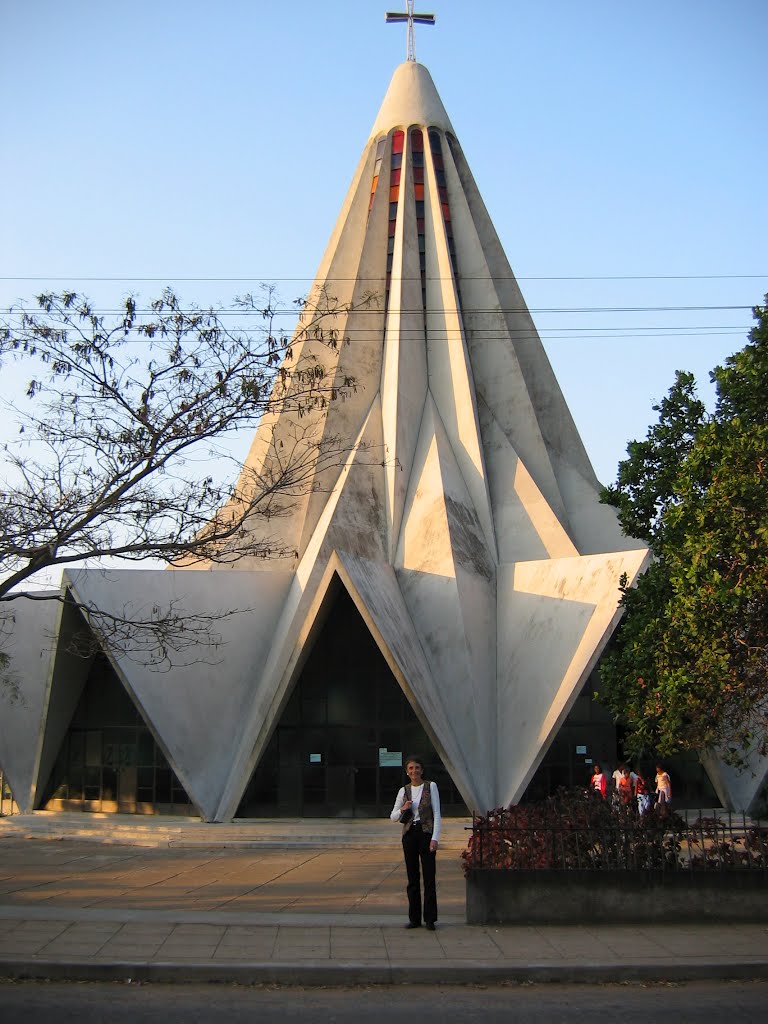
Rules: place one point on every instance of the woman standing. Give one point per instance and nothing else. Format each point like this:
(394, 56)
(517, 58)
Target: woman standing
(421, 834)
(598, 780)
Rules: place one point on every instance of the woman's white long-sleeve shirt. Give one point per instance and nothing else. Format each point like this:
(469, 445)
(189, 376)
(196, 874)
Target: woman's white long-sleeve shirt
(416, 792)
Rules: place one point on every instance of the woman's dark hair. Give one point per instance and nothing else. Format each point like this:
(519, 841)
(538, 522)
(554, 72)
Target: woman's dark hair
(415, 759)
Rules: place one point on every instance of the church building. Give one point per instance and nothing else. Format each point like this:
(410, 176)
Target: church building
(448, 585)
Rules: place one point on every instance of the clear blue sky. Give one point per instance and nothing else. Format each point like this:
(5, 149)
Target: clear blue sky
(185, 139)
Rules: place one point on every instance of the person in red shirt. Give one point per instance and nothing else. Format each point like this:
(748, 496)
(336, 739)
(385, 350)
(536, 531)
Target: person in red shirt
(642, 796)
(598, 780)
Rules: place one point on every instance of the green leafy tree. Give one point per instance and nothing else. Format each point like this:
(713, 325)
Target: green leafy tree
(689, 666)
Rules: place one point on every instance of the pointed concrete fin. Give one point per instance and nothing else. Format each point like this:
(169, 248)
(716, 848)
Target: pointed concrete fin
(440, 527)
(594, 526)
(411, 99)
(453, 620)
(29, 639)
(533, 373)
(575, 600)
(492, 343)
(359, 521)
(195, 708)
(743, 790)
(68, 680)
(374, 588)
(354, 512)
(404, 379)
(451, 381)
(350, 422)
(349, 284)
(353, 516)
(447, 579)
(306, 593)
(526, 526)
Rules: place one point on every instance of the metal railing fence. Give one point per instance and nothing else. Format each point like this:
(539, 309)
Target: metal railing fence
(627, 842)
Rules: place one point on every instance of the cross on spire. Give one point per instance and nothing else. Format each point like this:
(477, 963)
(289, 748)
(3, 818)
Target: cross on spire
(411, 18)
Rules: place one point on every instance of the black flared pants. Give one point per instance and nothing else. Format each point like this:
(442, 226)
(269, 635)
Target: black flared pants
(418, 855)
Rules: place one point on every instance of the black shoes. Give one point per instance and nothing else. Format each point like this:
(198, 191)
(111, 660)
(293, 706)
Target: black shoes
(415, 924)
(430, 926)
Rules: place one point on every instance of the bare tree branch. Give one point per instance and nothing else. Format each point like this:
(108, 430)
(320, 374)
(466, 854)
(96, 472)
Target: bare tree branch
(122, 411)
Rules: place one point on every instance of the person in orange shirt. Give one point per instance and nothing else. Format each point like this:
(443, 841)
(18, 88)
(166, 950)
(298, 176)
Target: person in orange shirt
(625, 788)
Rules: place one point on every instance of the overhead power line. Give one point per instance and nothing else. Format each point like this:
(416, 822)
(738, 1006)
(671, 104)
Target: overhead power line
(379, 310)
(259, 278)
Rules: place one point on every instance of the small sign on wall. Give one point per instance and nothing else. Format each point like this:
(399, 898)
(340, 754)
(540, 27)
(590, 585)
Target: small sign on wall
(390, 758)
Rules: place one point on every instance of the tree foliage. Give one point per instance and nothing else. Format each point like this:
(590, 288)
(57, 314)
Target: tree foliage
(689, 665)
(120, 449)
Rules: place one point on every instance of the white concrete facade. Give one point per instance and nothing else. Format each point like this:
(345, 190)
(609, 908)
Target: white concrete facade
(465, 524)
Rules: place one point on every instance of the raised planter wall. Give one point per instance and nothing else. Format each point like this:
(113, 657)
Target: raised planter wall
(573, 897)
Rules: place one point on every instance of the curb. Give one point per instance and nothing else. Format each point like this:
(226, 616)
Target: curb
(314, 974)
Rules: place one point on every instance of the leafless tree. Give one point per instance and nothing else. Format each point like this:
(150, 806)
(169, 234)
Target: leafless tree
(125, 412)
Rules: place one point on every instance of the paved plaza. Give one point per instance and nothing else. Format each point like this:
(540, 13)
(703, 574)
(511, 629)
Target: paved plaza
(74, 908)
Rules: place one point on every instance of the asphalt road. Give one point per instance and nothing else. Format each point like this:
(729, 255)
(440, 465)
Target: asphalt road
(55, 1002)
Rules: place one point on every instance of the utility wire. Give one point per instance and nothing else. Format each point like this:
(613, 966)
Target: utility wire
(380, 311)
(259, 278)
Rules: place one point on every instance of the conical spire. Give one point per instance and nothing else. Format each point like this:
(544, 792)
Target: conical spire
(411, 99)
(481, 467)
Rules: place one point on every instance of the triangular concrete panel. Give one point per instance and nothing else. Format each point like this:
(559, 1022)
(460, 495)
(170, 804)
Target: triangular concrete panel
(374, 588)
(359, 520)
(526, 526)
(492, 343)
(31, 637)
(594, 526)
(530, 376)
(404, 378)
(446, 576)
(575, 600)
(194, 707)
(740, 789)
(451, 382)
(75, 651)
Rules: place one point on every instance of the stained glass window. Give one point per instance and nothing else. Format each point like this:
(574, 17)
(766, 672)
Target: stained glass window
(376, 169)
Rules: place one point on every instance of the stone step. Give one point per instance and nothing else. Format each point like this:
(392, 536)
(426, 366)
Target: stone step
(159, 831)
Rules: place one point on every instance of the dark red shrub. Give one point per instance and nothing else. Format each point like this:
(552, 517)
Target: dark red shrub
(573, 830)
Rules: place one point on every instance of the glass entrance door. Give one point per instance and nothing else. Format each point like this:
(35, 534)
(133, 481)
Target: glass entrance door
(338, 748)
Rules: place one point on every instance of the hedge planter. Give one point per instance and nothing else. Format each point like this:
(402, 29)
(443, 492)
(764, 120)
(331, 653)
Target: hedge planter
(575, 897)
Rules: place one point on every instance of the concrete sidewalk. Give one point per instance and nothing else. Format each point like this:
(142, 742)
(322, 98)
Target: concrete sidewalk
(85, 910)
